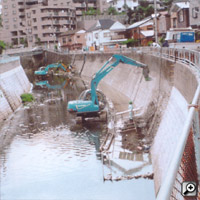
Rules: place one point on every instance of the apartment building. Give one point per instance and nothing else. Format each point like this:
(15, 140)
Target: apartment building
(36, 21)
(195, 14)
(82, 6)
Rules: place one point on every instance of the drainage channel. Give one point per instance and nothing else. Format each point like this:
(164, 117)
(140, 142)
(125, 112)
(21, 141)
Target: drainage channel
(53, 157)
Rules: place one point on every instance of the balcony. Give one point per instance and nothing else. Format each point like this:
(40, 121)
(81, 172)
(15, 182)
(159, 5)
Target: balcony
(79, 12)
(31, 2)
(117, 37)
(80, 5)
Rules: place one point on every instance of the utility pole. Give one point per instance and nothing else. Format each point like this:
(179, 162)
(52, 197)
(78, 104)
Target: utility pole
(156, 26)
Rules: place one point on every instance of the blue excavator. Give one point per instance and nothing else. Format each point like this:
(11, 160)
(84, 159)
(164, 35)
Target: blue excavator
(91, 102)
(53, 87)
(44, 70)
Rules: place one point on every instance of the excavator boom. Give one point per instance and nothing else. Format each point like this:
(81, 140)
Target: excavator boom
(44, 70)
(83, 106)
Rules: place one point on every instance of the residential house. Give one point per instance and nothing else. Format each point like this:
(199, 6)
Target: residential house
(142, 31)
(164, 22)
(195, 14)
(105, 33)
(120, 5)
(72, 40)
(180, 14)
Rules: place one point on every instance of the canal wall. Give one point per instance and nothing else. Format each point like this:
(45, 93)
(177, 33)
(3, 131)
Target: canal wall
(13, 83)
(171, 89)
(163, 100)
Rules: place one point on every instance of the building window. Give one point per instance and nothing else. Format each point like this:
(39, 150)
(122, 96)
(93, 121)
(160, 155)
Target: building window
(28, 15)
(5, 6)
(180, 16)
(30, 38)
(33, 11)
(15, 26)
(78, 36)
(13, 5)
(15, 19)
(195, 12)
(29, 22)
(14, 12)
(64, 40)
(96, 35)
(174, 22)
(106, 35)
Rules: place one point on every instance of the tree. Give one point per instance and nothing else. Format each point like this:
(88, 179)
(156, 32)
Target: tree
(24, 42)
(130, 42)
(130, 14)
(91, 11)
(167, 3)
(38, 41)
(112, 11)
(2, 46)
(142, 11)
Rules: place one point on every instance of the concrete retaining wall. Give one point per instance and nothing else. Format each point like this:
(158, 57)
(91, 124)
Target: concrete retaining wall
(172, 87)
(126, 82)
(13, 83)
(173, 82)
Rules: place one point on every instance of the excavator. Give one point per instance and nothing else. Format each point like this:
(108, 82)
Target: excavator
(44, 70)
(92, 101)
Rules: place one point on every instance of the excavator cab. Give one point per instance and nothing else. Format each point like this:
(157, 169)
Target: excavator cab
(84, 103)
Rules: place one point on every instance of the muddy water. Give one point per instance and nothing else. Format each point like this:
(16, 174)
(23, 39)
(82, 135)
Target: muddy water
(52, 157)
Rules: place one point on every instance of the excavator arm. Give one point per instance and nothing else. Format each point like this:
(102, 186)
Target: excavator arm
(44, 71)
(105, 70)
(89, 107)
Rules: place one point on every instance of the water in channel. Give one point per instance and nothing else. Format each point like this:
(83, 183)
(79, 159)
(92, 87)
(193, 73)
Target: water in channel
(53, 158)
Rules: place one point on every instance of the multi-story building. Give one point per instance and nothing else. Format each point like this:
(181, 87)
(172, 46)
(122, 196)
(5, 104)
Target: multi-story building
(82, 6)
(36, 21)
(179, 12)
(120, 5)
(195, 14)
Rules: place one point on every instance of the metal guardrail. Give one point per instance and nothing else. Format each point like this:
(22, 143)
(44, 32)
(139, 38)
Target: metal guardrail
(180, 168)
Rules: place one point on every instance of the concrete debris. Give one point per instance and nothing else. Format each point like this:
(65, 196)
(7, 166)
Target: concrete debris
(120, 178)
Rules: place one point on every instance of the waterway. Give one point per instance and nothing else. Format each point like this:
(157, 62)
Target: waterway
(53, 158)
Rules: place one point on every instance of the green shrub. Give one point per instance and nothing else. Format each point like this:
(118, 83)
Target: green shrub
(26, 97)
(149, 43)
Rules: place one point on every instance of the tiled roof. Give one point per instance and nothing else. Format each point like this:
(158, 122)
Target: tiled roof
(102, 24)
(137, 24)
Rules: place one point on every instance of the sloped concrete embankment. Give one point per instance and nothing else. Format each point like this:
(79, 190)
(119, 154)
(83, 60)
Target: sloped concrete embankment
(13, 83)
(163, 100)
(171, 89)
